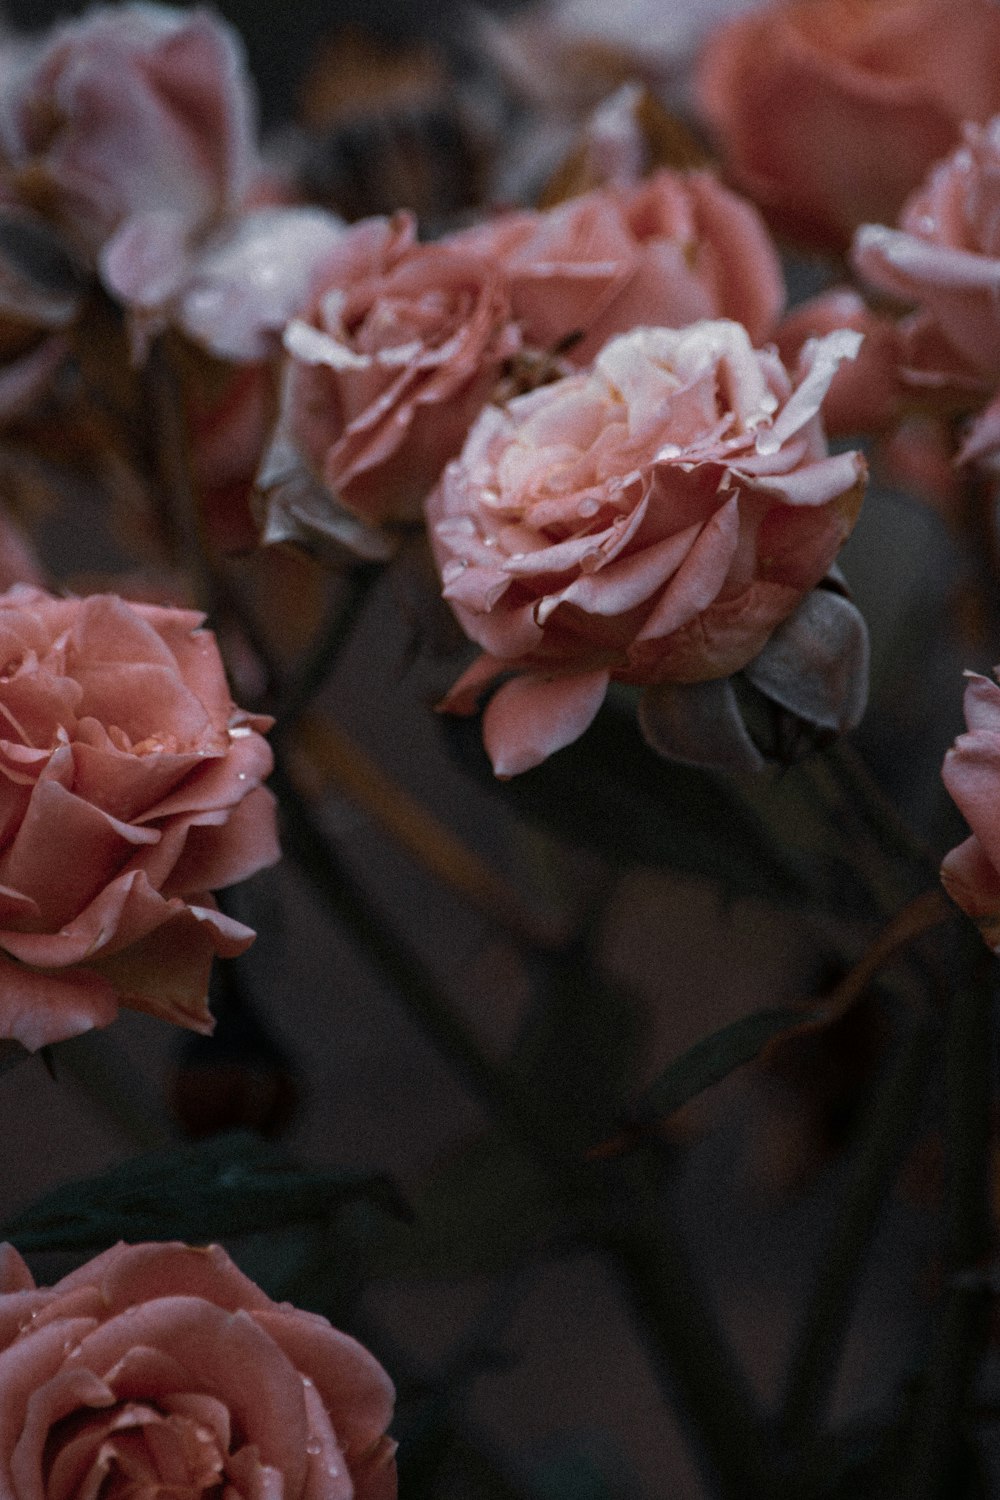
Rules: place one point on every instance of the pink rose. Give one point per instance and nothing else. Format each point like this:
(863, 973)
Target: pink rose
(945, 257)
(650, 521)
(160, 1370)
(971, 873)
(402, 346)
(829, 112)
(130, 787)
(136, 115)
(866, 394)
(668, 251)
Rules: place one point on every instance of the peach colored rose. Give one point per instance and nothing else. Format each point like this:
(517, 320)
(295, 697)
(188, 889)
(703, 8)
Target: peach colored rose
(971, 873)
(668, 251)
(130, 787)
(866, 393)
(650, 521)
(401, 348)
(829, 112)
(945, 258)
(160, 1370)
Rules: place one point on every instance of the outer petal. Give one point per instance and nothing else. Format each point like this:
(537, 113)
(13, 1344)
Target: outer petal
(530, 717)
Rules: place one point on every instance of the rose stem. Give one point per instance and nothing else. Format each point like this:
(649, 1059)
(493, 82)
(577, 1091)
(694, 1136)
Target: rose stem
(883, 1137)
(171, 463)
(962, 1325)
(397, 961)
(657, 1275)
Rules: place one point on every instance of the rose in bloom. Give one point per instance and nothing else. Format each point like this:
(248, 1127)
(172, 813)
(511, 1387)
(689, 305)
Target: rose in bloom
(669, 251)
(650, 521)
(130, 787)
(829, 112)
(945, 258)
(160, 1370)
(402, 346)
(971, 873)
(130, 133)
(133, 119)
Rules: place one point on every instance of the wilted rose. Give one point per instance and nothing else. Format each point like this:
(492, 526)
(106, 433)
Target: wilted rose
(402, 346)
(829, 112)
(669, 251)
(130, 787)
(160, 1369)
(651, 521)
(971, 873)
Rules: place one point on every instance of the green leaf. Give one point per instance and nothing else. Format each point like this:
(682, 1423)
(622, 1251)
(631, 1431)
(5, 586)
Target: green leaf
(229, 1185)
(716, 1056)
(480, 1210)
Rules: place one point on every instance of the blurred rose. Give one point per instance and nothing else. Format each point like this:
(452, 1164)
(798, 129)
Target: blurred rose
(401, 348)
(130, 133)
(136, 116)
(229, 422)
(130, 788)
(160, 1370)
(829, 112)
(865, 395)
(971, 873)
(669, 251)
(650, 521)
(945, 257)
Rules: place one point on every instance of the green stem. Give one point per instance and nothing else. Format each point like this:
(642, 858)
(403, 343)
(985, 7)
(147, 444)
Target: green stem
(397, 961)
(691, 1354)
(888, 829)
(883, 1137)
(99, 1068)
(321, 655)
(938, 1414)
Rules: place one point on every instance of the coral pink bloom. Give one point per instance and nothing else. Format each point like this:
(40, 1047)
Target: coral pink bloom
(829, 112)
(402, 346)
(130, 787)
(971, 873)
(652, 520)
(159, 1370)
(669, 251)
(945, 258)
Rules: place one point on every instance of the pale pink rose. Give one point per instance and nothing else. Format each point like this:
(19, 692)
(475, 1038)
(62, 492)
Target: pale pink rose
(669, 251)
(130, 787)
(133, 114)
(130, 133)
(650, 521)
(829, 112)
(945, 258)
(402, 345)
(971, 873)
(160, 1369)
